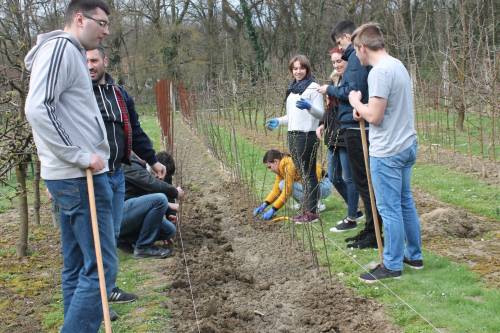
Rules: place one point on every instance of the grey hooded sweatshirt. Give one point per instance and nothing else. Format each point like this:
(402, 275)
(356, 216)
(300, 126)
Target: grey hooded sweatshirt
(61, 107)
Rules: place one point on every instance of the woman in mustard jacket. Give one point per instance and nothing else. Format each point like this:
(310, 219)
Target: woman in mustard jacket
(287, 183)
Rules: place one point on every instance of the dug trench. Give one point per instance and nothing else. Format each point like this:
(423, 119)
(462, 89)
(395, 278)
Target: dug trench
(245, 276)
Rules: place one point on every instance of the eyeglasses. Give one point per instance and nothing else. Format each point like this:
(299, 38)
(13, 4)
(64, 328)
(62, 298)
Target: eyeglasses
(102, 23)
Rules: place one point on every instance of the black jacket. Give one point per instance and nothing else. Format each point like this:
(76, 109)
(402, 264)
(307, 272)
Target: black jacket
(354, 78)
(334, 136)
(108, 96)
(138, 181)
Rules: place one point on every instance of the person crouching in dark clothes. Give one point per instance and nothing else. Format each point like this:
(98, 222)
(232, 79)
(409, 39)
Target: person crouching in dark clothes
(168, 161)
(145, 210)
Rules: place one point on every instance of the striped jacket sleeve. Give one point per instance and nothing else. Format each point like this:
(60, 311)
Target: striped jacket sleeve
(50, 77)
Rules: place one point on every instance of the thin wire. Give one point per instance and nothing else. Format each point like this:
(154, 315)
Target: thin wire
(184, 251)
(382, 283)
(187, 269)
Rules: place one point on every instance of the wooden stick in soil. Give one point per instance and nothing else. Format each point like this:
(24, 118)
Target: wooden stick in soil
(376, 223)
(98, 254)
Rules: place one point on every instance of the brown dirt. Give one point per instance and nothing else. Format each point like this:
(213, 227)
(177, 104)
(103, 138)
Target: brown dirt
(247, 277)
(459, 235)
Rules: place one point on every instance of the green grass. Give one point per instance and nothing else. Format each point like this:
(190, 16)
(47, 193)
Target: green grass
(439, 128)
(151, 126)
(447, 294)
(147, 314)
(458, 189)
(8, 192)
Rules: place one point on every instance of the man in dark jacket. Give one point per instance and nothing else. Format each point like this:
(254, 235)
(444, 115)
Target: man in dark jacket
(146, 206)
(354, 79)
(124, 133)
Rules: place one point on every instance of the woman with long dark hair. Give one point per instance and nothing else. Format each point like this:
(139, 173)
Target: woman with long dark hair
(339, 170)
(304, 110)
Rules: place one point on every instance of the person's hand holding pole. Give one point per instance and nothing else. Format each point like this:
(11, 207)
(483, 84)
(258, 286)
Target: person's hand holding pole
(180, 193)
(96, 163)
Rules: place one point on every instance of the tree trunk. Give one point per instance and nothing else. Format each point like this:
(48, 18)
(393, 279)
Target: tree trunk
(22, 196)
(36, 193)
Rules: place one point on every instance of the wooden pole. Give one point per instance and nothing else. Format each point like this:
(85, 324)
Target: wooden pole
(380, 246)
(97, 244)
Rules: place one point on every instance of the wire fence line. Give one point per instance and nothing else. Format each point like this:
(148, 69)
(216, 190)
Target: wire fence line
(221, 130)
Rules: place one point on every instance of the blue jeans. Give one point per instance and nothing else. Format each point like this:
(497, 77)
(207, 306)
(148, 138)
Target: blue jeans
(391, 181)
(117, 184)
(144, 220)
(339, 173)
(325, 189)
(80, 282)
(116, 180)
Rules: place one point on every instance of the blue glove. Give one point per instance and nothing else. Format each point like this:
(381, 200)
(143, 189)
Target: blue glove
(259, 209)
(303, 104)
(269, 214)
(272, 123)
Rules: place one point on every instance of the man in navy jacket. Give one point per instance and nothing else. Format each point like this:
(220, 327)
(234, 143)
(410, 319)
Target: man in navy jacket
(354, 79)
(124, 134)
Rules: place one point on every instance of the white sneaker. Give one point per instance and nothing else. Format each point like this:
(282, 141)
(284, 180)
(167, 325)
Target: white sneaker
(321, 206)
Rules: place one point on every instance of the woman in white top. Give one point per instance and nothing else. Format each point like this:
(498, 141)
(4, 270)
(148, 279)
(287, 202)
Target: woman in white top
(304, 110)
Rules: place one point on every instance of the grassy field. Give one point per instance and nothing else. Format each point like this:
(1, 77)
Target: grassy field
(447, 294)
(147, 314)
(439, 128)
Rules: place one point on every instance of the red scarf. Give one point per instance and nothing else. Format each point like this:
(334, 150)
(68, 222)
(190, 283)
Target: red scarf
(127, 129)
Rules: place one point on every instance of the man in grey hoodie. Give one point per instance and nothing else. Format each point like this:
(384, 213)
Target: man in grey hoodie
(70, 137)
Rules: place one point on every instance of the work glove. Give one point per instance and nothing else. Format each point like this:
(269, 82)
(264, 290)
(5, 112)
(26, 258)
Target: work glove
(272, 124)
(303, 104)
(269, 214)
(259, 209)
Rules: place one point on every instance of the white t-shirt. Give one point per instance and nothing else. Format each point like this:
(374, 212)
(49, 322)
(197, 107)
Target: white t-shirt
(304, 120)
(390, 80)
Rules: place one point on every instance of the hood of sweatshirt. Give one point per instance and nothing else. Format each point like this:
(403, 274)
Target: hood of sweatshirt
(42, 39)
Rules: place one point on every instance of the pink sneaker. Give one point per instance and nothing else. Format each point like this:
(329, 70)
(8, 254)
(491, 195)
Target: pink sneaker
(307, 217)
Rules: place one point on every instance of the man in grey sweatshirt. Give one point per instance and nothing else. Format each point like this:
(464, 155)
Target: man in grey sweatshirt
(70, 137)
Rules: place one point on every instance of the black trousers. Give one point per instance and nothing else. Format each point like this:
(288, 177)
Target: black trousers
(303, 147)
(354, 148)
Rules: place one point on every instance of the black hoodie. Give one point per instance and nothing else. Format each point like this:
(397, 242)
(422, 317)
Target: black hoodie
(108, 96)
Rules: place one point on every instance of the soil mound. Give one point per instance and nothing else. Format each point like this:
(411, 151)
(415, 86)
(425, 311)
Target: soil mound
(450, 222)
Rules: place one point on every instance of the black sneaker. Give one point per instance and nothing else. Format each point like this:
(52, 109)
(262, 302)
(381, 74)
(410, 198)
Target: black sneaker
(346, 225)
(359, 217)
(362, 234)
(119, 296)
(112, 315)
(152, 252)
(379, 273)
(125, 247)
(369, 242)
(415, 264)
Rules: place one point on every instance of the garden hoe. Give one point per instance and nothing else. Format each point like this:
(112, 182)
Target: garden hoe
(98, 254)
(370, 189)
